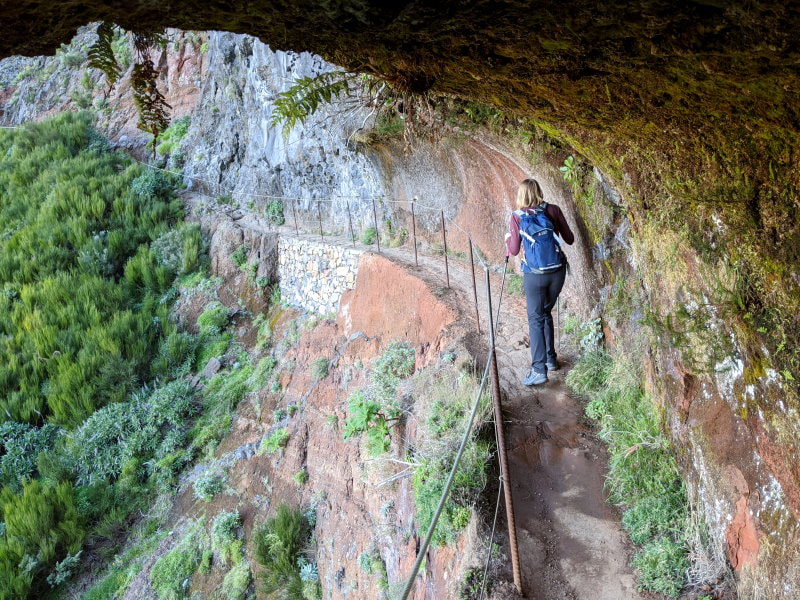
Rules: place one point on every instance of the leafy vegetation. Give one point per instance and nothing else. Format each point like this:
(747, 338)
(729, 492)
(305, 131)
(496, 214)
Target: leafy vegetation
(275, 441)
(172, 572)
(278, 546)
(303, 98)
(368, 236)
(445, 401)
(514, 285)
(274, 212)
(209, 484)
(643, 475)
(372, 563)
(372, 409)
(319, 368)
(90, 251)
(171, 138)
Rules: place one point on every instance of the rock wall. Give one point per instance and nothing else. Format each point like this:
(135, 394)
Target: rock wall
(313, 275)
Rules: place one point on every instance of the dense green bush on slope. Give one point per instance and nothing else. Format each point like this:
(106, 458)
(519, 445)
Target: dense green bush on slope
(90, 245)
(81, 288)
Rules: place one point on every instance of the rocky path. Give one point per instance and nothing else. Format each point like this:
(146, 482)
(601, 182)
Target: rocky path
(571, 543)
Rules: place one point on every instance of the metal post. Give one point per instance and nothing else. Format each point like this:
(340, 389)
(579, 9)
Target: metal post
(501, 447)
(350, 221)
(444, 240)
(319, 214)
(294, 212)
(377, 233)
(474, 285)
(414, 231)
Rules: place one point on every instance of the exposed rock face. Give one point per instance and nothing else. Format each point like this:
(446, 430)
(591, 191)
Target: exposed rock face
(35, 88)
(689, 112)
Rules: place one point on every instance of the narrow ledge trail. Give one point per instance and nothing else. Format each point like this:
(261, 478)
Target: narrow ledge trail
(571, 543)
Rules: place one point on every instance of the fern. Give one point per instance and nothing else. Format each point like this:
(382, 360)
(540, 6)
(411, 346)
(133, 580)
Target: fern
(304, 98)
(149, 101)
(101, 53)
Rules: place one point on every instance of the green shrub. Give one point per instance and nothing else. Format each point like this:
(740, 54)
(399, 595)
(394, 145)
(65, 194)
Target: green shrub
(209, 484)
(372, 563)
(239, 256)
(172, 573)
(141, 428)
(301, 477)
(236, 582)
(225, 535)
(366, 415)
(81, 287)
(369, 236)
(20, 446)
(277, 547)
(275, 441)
(179, 249)
(372, 409)
(319, 368)
(428, 483)
(213, 319)
(643, 476)
(176, 355)
(274, 210)
(662, 565)
(171, 138)
(395, 363)
(153, 185)
(42, 528)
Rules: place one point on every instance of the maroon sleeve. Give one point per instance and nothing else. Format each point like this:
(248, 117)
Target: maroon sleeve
(560, 223)
(513, 243)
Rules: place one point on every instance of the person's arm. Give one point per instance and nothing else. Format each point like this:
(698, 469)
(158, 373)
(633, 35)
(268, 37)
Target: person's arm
(513, 240)
(560, 224)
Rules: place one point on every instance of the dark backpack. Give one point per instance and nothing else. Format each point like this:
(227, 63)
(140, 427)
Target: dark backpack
(541, 252)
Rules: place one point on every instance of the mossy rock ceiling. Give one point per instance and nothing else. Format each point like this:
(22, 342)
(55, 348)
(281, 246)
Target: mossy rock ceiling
(691, 108)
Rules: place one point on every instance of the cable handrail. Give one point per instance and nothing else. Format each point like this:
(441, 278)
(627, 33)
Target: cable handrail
(474, 252)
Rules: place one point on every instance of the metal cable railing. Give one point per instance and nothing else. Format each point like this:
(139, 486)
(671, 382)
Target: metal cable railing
(411, 214)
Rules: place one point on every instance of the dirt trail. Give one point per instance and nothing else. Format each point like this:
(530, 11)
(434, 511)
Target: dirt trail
(571, 543)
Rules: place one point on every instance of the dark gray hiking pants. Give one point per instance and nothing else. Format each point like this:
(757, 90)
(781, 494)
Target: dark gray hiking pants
(541, 293)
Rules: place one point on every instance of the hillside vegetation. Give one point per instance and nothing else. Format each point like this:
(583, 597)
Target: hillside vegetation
(90, 247)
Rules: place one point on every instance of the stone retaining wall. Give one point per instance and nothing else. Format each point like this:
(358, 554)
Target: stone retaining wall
(313, 275)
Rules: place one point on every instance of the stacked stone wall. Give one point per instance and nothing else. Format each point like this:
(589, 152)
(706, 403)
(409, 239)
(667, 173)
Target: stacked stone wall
(313, 275)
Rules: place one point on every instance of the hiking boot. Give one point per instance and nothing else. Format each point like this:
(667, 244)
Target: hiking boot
(535, 378)
(552, 365)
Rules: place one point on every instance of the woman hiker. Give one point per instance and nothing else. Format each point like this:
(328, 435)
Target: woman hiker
(544, 267)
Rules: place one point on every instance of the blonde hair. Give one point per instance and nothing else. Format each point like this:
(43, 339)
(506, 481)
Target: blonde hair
(529, 194)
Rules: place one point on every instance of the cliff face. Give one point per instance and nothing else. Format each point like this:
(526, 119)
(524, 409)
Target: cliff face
(688, 232)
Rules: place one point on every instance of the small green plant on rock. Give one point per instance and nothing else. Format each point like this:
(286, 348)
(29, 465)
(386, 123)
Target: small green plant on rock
(275, 441)
(372, 409)
(372, 563)
(301, 477)
(319, 368)
(236, 582)
(278, 545)
(209, 484)
(274, 212)
(369, 236)
(239, 256)
(225, 536)
(366, 415)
